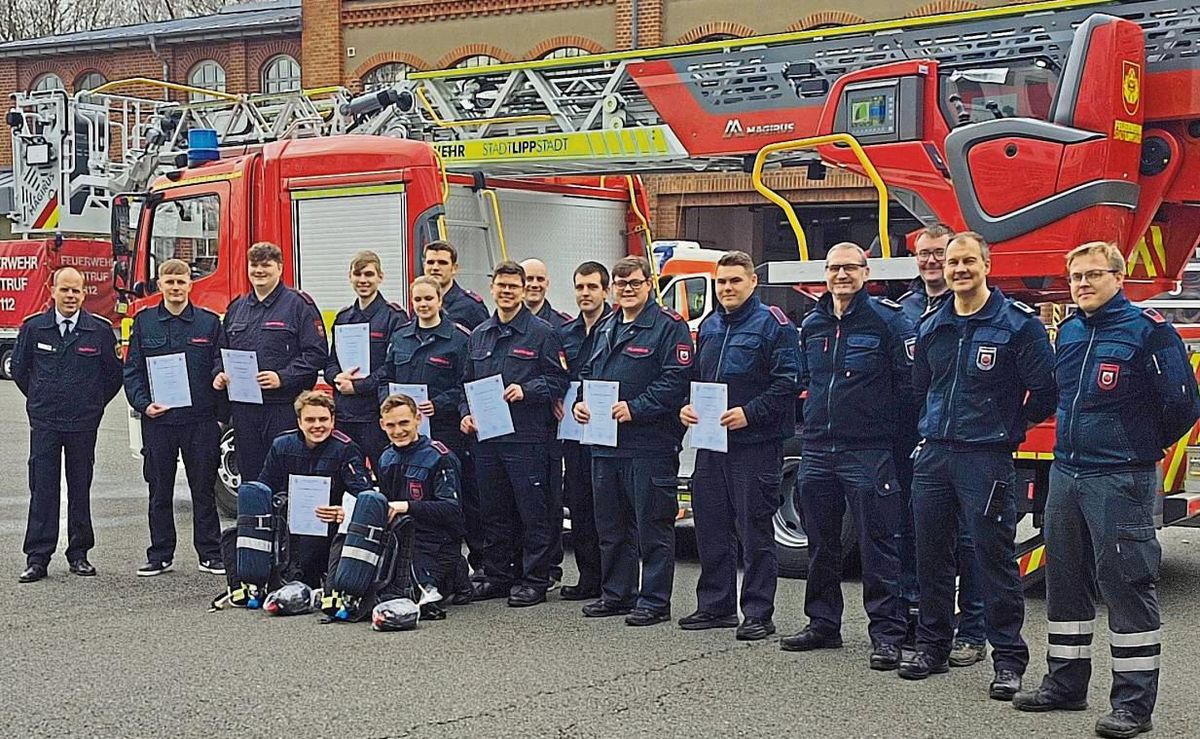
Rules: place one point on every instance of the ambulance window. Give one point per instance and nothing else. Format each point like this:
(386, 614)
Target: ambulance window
(187, 229)
(688, 297)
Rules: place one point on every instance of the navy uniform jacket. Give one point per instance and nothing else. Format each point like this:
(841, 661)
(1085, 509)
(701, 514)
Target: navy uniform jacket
(754, 351)
(288, 333)
(66, 381)
(651, 358)
(337, 458)
(985, 377)
(525, 351)
(578, 343)
(385, 319)
(555, 318)
(196, 333)
(426, 474)
(436, 358)
(916, 302)
(1125, 389)
(857, 370)
(464, 307)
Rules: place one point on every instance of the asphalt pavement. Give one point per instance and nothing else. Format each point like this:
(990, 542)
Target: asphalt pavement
(122, 656)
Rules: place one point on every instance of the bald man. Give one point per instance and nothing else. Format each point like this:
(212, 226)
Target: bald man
(537, 284)
(65, 363)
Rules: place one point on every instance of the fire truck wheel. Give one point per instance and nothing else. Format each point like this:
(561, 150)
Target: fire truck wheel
(228, 476)
(6, 364)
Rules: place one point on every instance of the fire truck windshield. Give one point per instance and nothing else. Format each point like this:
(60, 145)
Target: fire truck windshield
(1024, 89)
(187, 229)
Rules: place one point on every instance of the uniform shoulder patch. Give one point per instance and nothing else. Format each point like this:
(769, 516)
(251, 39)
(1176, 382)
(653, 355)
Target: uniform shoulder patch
(780, 316)
(1023, 308)
(340, 436)
(1153, 315)
(440, 447)
(103, 319)
(307, 298)
(905, 296)
(564, 316)
(31, 316)
(463, 328)
(210, 311)
(890, 304)
(397, 307)
(674, 316)
(473, 295)
(231, 303)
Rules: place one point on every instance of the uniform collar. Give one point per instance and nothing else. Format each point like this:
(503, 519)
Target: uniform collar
(186, 315)
(945, 314)
(1115, 306)
(445, 329)
(825, 303)
(454, 292)
(271, 297)
(422, 442)
(372, 308)
(742, 312)
(578, 321)
(645, 319)
(519, 323)
(60, 319)
(545, 311)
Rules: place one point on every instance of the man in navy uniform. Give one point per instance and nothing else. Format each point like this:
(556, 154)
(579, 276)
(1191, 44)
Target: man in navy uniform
(648, 350)
(65, 364)
(1125, 392)
(537, 284)
(928, 293)
(176, 326)
(355, 389)
(856, 365)
(578, 337)
(464, 307)
(512, 469)
(752, 349)
(285, 329)
(984, 367)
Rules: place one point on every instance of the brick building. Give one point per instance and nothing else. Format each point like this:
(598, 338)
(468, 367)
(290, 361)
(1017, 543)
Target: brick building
(364, 43)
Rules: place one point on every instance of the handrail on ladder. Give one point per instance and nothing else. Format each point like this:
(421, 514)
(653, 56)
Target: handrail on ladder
(165, 85)
(809, 143)
(490, 194)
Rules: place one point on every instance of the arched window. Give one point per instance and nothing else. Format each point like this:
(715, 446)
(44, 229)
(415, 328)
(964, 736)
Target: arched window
(565, 52)
(477, 60)
(281, 74)
(208, 75)
(48, 81)
(385, 75)
(89, 80)
(715, 37)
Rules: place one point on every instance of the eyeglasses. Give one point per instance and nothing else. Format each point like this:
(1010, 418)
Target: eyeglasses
(1090, 276)
(925, 256)
(509, 287)
(631, 284)
(850, 269)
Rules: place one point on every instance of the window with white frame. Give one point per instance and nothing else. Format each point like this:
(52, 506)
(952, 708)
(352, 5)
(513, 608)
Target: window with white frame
(207, 75)
(281, 74)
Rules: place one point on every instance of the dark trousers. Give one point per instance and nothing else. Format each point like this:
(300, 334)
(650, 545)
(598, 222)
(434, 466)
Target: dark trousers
(307, 560)
(516, 513)
(906, 548)
(735, 497)
(577, 489)
(370, 438)
(1100, 541)
(256, 426)
(554, 480)
(46, 452)
(162, 445)
(946, 482)
(972, 625)
(635, 519)
(865, 481)
(464, 449)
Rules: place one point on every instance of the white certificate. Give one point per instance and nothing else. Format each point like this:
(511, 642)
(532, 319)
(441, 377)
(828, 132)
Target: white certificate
(353, 344)
(348, 502)
(419, 393)
(242, 369)
(169, 384)
(600, 396)
(305, 494)
(485, 399)
(710, 400)
(568, 428)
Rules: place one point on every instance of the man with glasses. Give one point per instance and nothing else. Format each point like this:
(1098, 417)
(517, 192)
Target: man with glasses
(648, 350)
(512, 469)
(1125, 391)
(984, 367)
(928, 293)
(855, 362)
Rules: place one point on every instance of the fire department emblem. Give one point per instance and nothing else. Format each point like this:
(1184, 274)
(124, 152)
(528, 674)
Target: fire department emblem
(683, 353)
(910, 345)
(1131, 86)
(1107, 376)
(985, 358)
(416, 491)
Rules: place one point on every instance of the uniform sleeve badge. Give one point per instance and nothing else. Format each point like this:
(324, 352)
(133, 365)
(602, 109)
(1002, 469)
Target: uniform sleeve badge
(683, 353)
(319, 325)
(910, 347)
(416, 491)
(985, 358)
(562, 359)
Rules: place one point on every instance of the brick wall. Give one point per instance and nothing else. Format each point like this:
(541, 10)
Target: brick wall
(322, 48)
